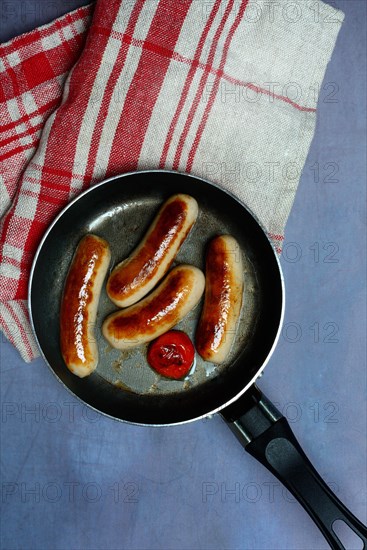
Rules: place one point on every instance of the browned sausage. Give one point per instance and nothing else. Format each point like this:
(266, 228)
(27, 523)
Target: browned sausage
(178, 294)
(133, 278)
(219, 319)
(79, 305)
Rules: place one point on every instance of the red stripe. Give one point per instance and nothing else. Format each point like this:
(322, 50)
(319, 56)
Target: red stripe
(205, 67)
(48, 189)
(213, 93)
(188, 82)
(56, 171)
(200, 89)
(21, 304)
(78, 35)
(5, 328)
(29, 193)
(14, 81)
(23, 41)
(45, 198)
(50, 184)
(260, 90)
(108, 92)
(43, 195)
(20, 328)
(34, 235)
(70, 21)
(140, 100)
(16, 137)
(40, 110)
(37, 69)
(19, 149)
(4, 224)
(24, 262)
(276, 237)
(11, 261)
(64, 43)
(28, 39)
(71, 113)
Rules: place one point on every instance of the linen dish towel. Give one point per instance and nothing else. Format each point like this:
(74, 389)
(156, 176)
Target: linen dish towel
(222, 89)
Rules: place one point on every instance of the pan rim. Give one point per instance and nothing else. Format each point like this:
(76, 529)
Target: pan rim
(258, 373)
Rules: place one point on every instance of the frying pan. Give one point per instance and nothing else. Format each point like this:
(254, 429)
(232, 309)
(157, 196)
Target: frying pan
(124, 387)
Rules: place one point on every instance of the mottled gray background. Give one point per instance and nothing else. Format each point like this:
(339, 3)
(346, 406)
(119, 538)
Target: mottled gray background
(72, 479)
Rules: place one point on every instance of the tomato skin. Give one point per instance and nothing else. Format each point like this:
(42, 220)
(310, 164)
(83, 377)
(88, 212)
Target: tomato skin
(172, 354)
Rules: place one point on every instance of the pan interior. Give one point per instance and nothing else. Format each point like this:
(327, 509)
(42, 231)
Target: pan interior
(129, 369)
(124, 386)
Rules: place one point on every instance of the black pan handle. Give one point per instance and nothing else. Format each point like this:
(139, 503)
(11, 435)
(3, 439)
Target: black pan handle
(267, 436)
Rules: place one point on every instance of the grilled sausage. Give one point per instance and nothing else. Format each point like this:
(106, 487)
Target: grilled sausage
(79, 305)
(134, 277)
(223, 299)
(175, 297)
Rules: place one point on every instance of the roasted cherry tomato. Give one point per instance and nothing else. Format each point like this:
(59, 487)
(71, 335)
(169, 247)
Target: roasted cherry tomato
(172, 354)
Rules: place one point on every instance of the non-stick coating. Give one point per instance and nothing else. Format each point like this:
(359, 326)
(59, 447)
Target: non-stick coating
(120, 210)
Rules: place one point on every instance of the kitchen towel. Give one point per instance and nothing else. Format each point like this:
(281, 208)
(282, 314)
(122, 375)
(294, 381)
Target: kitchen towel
(223, 89)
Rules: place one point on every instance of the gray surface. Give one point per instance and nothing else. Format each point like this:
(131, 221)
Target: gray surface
(105, 485)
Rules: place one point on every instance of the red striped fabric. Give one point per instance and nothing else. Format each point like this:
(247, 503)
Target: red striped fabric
(214, 91)
(200, 89)
(108, 92)
(152, 68)
(140, 85)
(190, 76)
